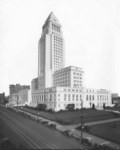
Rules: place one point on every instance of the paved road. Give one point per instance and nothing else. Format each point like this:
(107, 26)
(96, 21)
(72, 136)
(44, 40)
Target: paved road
(35, 136)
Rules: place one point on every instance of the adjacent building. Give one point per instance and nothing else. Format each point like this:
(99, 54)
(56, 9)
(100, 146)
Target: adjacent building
(115, 99)
(2, 98)
(57, 85)
(34, 84)
(19, 95)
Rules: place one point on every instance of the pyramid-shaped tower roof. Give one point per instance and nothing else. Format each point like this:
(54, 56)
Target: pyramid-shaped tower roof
(52, 18)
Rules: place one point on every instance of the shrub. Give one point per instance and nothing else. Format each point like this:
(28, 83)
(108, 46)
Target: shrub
(104, 106)
(87, 128)
(41, 107)
(93, 106)
(49, 110)
(77, 109)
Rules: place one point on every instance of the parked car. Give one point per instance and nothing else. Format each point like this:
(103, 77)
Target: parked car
(77, 138)
(68, 133)
(39, 120)
(52, 126)
(45, 123)
(33, 117)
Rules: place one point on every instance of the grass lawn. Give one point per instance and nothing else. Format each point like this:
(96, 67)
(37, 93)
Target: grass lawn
(74, 117)
(109, 131)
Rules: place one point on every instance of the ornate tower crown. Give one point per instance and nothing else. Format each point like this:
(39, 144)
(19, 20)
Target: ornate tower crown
(52, 18)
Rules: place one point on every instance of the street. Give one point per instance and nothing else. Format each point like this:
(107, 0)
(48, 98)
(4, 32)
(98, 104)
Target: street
(34, 135)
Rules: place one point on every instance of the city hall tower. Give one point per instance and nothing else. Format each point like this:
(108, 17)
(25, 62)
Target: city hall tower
(50, 52)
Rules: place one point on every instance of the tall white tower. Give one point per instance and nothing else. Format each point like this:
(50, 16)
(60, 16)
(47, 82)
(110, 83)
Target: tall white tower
(50, 51)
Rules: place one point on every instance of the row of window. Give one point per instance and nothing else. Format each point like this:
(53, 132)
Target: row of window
(99, 97)
(102, 97)
(58, 49)
(56, 33)
(77, 85)
(61, 75)
(77, 77)
(57, 58)
(92, 91)
(57, 38)
(62, 84)
(78, 81)
(57, 45)
(49, 97)
(61, 81)
(58, 63)
(75, 73)
(72, 90)
(61, 78)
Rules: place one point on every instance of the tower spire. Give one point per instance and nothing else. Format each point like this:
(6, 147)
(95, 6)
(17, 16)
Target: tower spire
(52, 18)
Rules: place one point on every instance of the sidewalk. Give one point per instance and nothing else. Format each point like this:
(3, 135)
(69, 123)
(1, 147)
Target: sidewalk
(92, 123)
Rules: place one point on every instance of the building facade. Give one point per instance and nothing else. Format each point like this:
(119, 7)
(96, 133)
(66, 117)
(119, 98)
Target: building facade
(19, 95)
(2, 98)
(115, 99)
(57, 98)
(34, 84)
(16, 88)
(68, 77)
(57, 85)
(50, 51)
(97, 98)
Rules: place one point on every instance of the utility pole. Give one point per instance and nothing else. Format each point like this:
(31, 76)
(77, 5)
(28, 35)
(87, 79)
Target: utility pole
(37, 110)
(81, 119)
(17, 99)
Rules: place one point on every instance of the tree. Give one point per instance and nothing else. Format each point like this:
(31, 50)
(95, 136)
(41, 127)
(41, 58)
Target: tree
(93, 106)
(103, 105)
(41, 107)
(70, 107)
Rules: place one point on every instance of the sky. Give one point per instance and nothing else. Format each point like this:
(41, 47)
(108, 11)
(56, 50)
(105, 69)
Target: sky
(91, 30)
